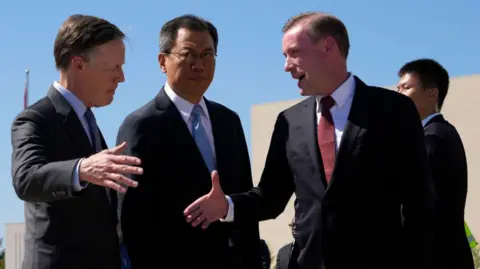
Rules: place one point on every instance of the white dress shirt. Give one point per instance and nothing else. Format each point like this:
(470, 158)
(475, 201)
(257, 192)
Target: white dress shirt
(343, 97)
(185, 108)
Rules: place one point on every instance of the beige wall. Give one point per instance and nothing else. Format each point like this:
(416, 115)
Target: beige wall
(14, 245)
(461, 108)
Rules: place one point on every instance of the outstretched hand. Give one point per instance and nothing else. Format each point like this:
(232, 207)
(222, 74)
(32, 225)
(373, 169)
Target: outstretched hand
(208, 208)
(109, 167)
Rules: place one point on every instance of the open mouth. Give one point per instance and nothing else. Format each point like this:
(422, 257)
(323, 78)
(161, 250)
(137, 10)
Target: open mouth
(300, 78)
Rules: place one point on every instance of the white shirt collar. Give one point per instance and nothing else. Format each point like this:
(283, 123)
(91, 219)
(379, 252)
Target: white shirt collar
(342, 93)
(429, 118)
(77, 105)
(184, 107)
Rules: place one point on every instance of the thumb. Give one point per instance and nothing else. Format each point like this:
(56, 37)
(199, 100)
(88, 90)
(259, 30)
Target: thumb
(119, 148)
(216, 182)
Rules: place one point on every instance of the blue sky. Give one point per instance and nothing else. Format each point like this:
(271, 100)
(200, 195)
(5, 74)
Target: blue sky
(383, 34)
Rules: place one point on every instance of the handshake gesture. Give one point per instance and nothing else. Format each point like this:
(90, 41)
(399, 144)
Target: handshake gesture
(208, 208)
(108, 168)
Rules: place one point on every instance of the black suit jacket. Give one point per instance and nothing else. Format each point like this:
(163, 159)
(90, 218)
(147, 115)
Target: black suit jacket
(356, 220)
(448, 166)
(64, 229)
(284, 256)
(154, 227)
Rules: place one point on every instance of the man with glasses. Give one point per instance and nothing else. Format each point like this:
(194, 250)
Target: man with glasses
(184, 141)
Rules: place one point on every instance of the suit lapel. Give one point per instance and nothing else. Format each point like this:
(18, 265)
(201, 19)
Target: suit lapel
(187, 146)
(357, 118)
(71, 122)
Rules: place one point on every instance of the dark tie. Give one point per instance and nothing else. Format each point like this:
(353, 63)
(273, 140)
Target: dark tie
(93, 130)
(326, 136)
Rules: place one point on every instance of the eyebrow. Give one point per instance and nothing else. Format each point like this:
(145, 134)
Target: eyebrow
(191, 49)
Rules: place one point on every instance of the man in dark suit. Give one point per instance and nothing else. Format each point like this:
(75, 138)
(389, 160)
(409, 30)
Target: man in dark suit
(185, 141)
(342, 151)
(60, 165)
(285, 253)
(426, 82)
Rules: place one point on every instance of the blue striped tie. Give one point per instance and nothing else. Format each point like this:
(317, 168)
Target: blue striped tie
(201, 139)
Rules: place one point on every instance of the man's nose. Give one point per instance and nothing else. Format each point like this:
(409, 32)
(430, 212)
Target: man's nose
(121, 76)
(198, 65)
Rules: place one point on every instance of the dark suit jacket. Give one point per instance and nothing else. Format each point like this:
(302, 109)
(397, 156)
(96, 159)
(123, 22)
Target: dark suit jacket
(284, 256)
(355, 221)
(175, 175)
(64, 229)
(448, 166)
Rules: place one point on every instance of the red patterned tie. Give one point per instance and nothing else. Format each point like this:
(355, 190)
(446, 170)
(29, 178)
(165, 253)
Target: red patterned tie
(326, 136)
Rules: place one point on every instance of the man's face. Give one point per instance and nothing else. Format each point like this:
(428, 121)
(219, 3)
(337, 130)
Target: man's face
(190, 65)
(424, 99)
(305, 60)
(101, 74)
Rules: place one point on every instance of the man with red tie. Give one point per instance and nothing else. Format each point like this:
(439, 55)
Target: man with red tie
(354, 156)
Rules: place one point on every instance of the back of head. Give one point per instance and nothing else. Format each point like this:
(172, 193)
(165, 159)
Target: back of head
(431, 74)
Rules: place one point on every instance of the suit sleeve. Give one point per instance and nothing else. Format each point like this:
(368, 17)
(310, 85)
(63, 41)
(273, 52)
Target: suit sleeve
(276, 186)
(416, 189)
(35, 177)
(135, 206)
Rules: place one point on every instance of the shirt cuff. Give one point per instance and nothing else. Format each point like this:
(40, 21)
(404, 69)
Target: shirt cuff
(77, 186)
(230, 213)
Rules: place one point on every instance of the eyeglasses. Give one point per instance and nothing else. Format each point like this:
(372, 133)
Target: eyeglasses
(190, 56)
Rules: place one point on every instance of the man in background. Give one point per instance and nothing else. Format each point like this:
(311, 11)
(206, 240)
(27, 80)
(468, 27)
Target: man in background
(60, 165)
(426, 82)
(185, 141)
(285, 253)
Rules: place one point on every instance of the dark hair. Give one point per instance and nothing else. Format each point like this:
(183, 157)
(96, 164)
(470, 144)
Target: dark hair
(169, 31)
(79, 35)
(321, 25)
(431, 75)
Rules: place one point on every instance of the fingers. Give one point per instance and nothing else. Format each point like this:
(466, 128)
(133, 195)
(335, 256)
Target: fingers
(194, 215)
(118, 148)
(113, 185)
(191, 208)
(198, 218)
(124, 159)
(121, 179)
(125, 169)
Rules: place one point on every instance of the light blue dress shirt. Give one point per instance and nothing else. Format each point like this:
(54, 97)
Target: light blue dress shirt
(80, 109)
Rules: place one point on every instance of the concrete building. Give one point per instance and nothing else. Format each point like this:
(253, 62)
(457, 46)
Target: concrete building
(461, 108)
(14, 245)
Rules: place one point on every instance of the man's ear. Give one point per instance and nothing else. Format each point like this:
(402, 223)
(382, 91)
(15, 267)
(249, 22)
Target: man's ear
(433, 93)
(162, 58)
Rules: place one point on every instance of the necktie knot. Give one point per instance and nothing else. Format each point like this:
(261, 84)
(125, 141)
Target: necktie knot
(196, 111)
(89, 115)
(327, 102)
